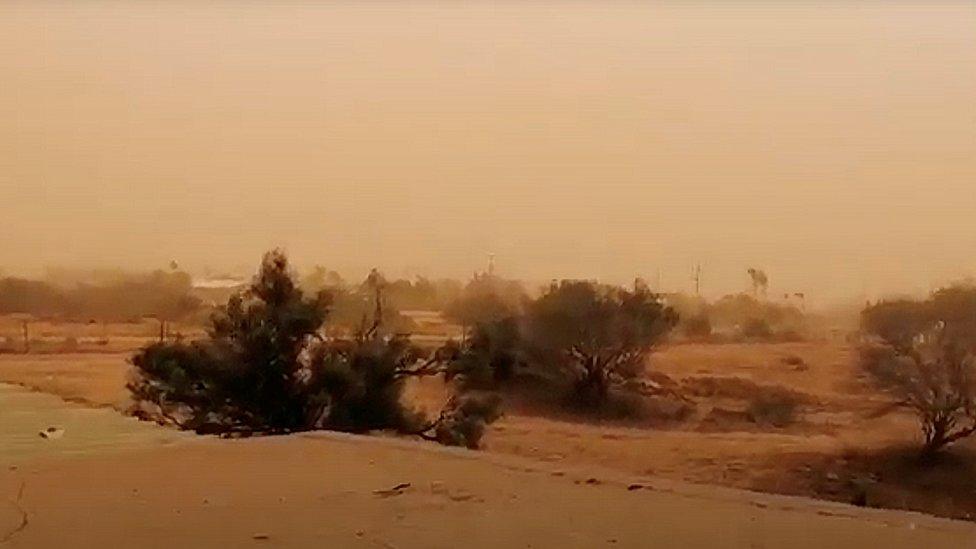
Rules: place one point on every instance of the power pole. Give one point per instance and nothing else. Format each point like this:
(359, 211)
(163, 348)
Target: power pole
(697, 278)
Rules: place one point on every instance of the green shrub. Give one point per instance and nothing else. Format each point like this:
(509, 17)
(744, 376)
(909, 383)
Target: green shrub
(267, 367)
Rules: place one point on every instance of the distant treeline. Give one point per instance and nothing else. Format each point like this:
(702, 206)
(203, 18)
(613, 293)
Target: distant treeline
(170, 295)
(351, 302)
(165, 295)
(119, 296)
(420, 293)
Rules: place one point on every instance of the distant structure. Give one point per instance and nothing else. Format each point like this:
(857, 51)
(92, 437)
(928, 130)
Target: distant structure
(696, 277)
(798, 296)
(220, 282)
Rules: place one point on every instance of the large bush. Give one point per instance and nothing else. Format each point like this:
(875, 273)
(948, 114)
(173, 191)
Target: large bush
(936, 378)
(268, 366)
(901, 322)
(493, 354)
(926, 358)
(578, 335)
(753, 318)
(33, 297)
(596, 336)
(897, 322)
(356, 385)
(486, 298)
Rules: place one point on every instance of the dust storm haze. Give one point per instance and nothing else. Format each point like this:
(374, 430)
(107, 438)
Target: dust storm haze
(832, 144)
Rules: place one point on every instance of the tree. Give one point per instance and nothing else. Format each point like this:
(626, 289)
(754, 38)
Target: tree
(354, 309)
(268, 366)
(954, 307)
(30, 297)
(926, 357)
(357, 384)
(901, 322)
(760, 282)
(897, 322)
(486, 298)
(596, 335)
(247, 374)
(936, 379)
(321, 278)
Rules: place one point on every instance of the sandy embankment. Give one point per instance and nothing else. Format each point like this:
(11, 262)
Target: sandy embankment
(321, 490)
(96, 380)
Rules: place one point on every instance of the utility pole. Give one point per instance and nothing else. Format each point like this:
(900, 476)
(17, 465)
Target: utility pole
(697, 279)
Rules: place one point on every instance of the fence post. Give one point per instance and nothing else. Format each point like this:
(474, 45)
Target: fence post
(26, 326)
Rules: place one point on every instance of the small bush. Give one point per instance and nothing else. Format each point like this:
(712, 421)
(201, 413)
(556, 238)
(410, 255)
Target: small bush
(733, 387)
(666, 408)
(697, 327)
(794, 360)
(69, 345)
(772, 407)
(885, 367)
(756, 328)
(465, 419)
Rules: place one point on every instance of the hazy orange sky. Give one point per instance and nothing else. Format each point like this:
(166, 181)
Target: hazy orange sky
(831, 143)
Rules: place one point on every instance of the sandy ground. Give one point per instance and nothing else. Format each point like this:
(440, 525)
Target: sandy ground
(836, 449)
(92, 379)
(333, 490)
